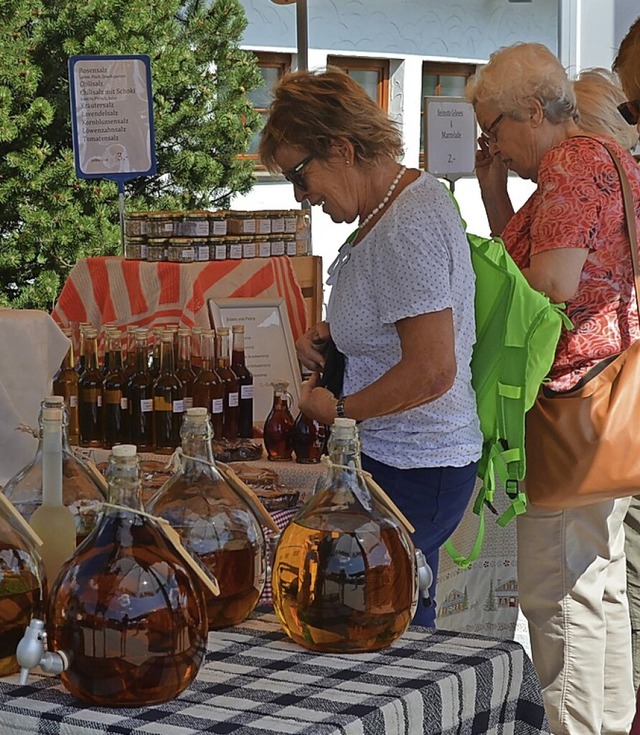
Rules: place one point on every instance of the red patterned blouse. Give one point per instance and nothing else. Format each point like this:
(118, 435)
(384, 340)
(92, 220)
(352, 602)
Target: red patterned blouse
(578, 204)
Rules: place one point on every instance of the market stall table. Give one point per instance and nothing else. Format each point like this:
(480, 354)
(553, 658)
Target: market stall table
(255, 682)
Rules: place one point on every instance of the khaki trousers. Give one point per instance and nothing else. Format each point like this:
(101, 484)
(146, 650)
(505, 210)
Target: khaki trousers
(572, 582)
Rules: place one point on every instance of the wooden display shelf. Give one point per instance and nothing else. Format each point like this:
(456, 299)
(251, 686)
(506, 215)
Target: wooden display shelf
(308, 270)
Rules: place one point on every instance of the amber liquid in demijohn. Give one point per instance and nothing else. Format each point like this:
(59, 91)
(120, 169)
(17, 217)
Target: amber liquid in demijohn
(344, 574)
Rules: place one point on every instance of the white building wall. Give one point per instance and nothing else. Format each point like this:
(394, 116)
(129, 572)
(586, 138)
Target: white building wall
(407, 32)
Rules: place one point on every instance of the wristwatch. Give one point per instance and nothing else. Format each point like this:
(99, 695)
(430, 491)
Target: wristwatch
(340, 409)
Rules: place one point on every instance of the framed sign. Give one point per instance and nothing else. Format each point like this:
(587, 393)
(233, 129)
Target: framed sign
(450, 137)
(112, 116)
(268, 344)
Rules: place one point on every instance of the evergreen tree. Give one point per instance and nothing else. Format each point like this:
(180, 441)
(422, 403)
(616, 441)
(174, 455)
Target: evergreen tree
(49, 218)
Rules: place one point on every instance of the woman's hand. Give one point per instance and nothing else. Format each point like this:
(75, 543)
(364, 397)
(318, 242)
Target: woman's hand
(311, 345)
(490, 170)
(317, 403)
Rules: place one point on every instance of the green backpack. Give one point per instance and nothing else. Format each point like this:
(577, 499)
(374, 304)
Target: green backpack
(517, 332)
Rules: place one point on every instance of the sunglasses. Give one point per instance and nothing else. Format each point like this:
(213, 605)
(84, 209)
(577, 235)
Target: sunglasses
(630, 110)
(294, 175)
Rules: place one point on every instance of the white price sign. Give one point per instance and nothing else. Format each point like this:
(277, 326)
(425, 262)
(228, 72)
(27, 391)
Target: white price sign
(450, 136)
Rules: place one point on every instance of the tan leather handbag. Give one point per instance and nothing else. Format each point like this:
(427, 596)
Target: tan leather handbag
(583, 446)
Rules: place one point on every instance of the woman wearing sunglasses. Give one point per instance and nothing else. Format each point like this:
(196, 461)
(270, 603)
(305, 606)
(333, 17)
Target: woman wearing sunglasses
(570, 241)
(401, 307)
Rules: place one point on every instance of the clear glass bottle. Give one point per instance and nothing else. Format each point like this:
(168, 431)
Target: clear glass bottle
(309, 439)
(81, 490)
(215, 524)
(140, 396)
(52, 520)
(278, 428)
(245, 383)
(23, 583)
(115, 412)
(344, 574)
(126, 608)
(208, 389)
(90, 394)
(65, 384)
(168, 400)
(231, 391)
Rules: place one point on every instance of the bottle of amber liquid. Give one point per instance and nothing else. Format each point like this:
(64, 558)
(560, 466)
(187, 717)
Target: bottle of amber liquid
(208, 389)
(309, 439)
(130, 357)
(231, 391)
(126, 609)
(184, 371)
(215, 523)
(140, 396)
(245, 383)
(114, 396)
(344, 574)
(90, 394)
(65, 384)
(168, 400)
(24, 585)
(82, 363)
(196, 349)
(278, 428)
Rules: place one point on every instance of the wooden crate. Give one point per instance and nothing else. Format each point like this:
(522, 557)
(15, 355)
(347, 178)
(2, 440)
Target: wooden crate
(308, 270)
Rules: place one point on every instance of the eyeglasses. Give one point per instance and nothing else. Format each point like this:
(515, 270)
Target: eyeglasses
(489, 134)
(294, 175)
(630, 110)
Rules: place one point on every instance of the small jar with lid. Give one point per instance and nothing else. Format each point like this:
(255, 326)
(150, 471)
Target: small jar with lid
(217, 223)
(248, 246)
(135, 248)
(195, 224)
(181, 250)
(157, 249)
(135, 224)
(162, 224)
(290, 220)
(218, 248)
(201, 248)
(277, 246)
(277, 221)
(263, 222)
(234, 247)
(263, 246)
(241, 223)
(290, 247)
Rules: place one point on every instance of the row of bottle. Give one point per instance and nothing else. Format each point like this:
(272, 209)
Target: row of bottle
(140, 399)
(127, 615)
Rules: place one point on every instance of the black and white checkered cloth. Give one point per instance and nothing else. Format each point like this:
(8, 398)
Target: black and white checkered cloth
(255, 681)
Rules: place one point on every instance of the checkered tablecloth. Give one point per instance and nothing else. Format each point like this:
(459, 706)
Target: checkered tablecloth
(255, 681)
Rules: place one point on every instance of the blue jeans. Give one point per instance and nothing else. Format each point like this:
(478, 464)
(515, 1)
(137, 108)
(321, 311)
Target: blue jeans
(434, 500)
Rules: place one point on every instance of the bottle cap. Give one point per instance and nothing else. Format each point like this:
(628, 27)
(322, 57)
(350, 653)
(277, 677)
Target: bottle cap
(200, 412)
(124, 450)
(344, 423)
(54, 401)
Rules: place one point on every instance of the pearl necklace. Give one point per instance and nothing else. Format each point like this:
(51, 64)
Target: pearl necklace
(383, 203)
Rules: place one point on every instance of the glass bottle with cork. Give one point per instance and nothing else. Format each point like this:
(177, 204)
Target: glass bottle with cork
(65, 384)
(345, 573)
(245, 383)
(90, 394)
(140, 396)
(231, 391)
(127, 613)
(184, 371)
(115, 429)
(82, 488)
(208, 388)
(215, 523)
(168, 400)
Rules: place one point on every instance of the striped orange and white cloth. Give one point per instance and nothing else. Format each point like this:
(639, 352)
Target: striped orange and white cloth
(113, 290)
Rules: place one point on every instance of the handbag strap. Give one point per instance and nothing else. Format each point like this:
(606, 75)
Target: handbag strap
(629, 215)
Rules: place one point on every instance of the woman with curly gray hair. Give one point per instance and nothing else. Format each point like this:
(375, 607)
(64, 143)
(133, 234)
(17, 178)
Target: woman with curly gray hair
(570, 241)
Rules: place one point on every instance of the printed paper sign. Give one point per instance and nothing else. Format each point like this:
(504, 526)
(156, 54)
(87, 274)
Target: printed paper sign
(450, 136)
